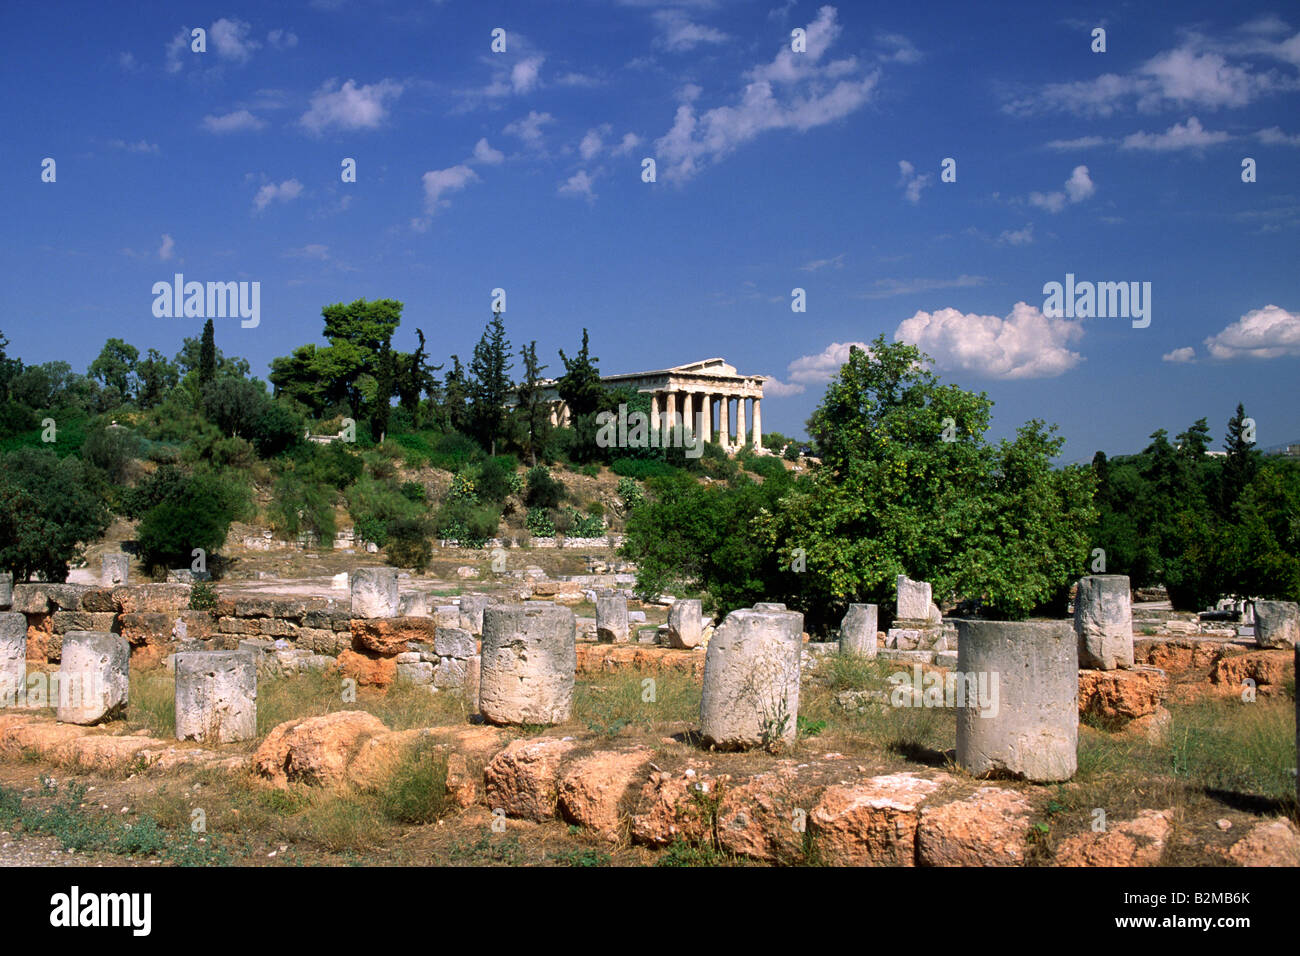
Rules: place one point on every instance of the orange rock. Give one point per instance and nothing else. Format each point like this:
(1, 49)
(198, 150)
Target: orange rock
(523, 779)
(988, 828)
(675, 807)
(40, 637)
(598, 658)
(1268, 669)
(388, 636)
(762, 818)
(462, 786)
(1127, 694)
(316, 750)
(379, 757)
(149, 656)
(593, 788)
(103, 752)
(166, 598)
(39, 735)
(1137, 842)
(872, 823)
(367, 671)
(1274, 843)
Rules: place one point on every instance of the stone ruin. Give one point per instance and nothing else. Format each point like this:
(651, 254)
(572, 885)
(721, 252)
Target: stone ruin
(918, 625)
(529, 664)
(216, 696)
(750, 696)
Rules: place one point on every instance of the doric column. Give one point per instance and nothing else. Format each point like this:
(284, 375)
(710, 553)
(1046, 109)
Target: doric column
(706, 432)
(654, 411)
(688, 406)
(724, 420)
(740, 421)
(758, 424)
(670, 419)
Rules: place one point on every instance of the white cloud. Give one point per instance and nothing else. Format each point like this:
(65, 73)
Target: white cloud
(1189, 135)
(592, 143)
(888, 288)
(794, 91)
(230, 40)
(177, 47)
(313, 250)
(900, 49)
(288, 190)
(579, 185)
(167, 248)
(1077, 188)
(911, 182)
(524, 74)
(350, 106)
(485, 154)
(232, 122)
(813, 369)
(1273, 136)
(1083, 142)
(1270, 332)
(1025, 344)
(629, 142)
(836, 262)
(1187, 76)
(1018, 237)
(529, 128)
(282, 39)
(1185, 354)
(679, 34)
(141, 146)
(127, 61)
(440, 181)
(510, 77)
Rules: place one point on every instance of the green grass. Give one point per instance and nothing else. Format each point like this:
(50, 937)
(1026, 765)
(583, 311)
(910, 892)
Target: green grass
(1234, 747)
(609, 704)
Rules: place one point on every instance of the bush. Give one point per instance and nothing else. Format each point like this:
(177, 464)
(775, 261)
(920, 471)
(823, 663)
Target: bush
(768, 468)
(203, 596)
(630, 492)
(375, 505)
(299, 506)
(48, 506)
(408, 543)
(413, 491)
(538, 522)
(493, 482)
(196, 513)
(584, 526)
(544, 490)
(471, 525)
(462, 489)
(453, 451)
(333, 464)
(110, 450)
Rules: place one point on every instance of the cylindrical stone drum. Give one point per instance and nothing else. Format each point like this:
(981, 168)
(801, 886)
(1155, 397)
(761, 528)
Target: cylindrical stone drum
(529, 659)
(1103, 620)
(611, 618)
(216, 696)
(1026, 722)
(94, 677)
(13, 658)
(1277, 624)
(858, 630)
(685, 628)
(374, 592)
(750, 696)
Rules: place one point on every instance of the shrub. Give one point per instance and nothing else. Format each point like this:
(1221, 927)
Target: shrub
(298, 506)
(544, 490)
(584, 526)
(462, 489)
(203, 596)
(413, 491)
(453, 451)
(493, 483)
(333, 464)
(471, 525)
(195, 517)
(47, 506)
(538, 522)
(630, 492)
(408, 543)
(110, 450)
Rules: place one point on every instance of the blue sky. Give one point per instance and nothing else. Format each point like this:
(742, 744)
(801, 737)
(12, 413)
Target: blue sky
(776, 170)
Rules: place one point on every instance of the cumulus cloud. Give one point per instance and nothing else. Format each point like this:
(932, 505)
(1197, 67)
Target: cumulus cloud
(593, 142)
(286, 191)
(578, 185)
(232, 122)
(167, 248)
(1018, 237)
(1185, 354)
(1024, 344)
(529, 128)
(1077, 188)
(483, 153)
(1270, 332)
(230, 40)
(798, 91)
(437, 182)
(1273, 136)
(1189, 135)
(812, 369)
(350, 106)
(911, 182)
(677, 33)
(1187, 76)
(629, 142)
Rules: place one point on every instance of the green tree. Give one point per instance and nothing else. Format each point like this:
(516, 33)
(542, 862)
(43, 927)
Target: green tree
(1241, 464)
(533, 410)
(489, 384)
(114, 367)
(48, 506)
(157, 377)
(584, 393)
(207, 355)
(455, 395)
(234, 405)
